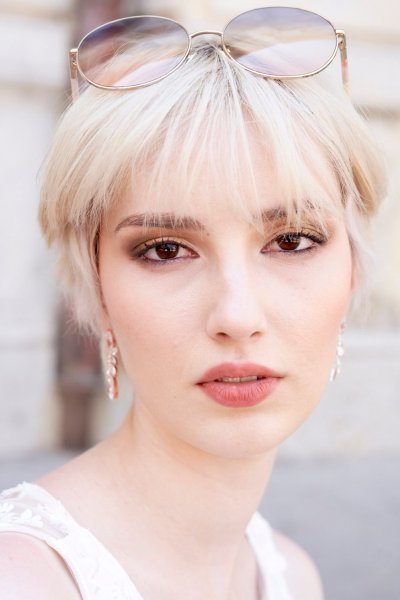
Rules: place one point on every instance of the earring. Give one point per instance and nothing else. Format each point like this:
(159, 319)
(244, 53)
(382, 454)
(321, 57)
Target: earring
(339, 353)
(111, 365)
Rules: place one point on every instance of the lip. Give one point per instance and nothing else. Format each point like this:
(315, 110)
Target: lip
(236, 395)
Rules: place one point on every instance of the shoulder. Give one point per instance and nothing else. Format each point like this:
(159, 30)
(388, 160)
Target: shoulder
(302, 575)
(30, 569)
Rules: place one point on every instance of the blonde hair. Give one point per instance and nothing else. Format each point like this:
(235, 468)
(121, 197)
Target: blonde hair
(204, 114)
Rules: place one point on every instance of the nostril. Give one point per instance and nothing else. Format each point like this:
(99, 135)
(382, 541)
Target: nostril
(222, 335)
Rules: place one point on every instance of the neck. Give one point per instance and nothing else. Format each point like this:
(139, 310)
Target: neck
(181, 482)
(175, 496)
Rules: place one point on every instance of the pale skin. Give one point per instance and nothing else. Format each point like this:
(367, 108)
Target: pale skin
(171, 492)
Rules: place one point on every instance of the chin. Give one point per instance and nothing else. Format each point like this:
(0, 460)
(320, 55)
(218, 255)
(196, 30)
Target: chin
(241, 442)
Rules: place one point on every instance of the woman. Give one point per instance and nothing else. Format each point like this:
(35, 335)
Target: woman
(211, 222)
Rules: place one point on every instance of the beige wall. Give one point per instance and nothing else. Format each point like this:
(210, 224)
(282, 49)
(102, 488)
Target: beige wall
(33, 37)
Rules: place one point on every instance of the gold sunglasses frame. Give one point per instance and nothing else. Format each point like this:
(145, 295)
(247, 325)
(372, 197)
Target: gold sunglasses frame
(74, 68)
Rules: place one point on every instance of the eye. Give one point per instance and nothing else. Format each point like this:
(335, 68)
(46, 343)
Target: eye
(295, 242)
(162, 251)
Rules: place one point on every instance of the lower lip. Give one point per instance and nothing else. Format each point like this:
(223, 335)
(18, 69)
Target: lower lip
(238, 395)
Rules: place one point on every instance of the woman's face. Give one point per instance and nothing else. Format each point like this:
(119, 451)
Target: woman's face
(218, 292)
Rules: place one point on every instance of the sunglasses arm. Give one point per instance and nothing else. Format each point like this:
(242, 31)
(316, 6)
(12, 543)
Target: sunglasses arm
(343, 56)
(73, 70)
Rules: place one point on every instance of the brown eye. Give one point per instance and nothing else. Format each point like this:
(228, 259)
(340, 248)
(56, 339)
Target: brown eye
(162, 251)
(289, 241)
(295, 243)
(167, 250)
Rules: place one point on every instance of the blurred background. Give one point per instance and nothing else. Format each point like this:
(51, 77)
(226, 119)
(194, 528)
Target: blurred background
(336, 487)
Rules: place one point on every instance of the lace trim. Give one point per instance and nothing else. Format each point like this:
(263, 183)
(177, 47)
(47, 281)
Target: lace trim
(28, 508)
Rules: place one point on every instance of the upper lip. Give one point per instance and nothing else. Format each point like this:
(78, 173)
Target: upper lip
(237, 370)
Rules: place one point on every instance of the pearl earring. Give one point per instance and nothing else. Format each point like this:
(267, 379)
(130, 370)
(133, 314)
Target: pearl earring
(339, 354)
(111, 365)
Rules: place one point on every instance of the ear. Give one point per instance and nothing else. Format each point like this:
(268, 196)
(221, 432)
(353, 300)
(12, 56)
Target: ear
(104, 319)
(354, 277)
(353, 284)
(355, 271)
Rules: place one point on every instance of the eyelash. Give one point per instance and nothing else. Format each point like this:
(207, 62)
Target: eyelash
(318, 240)
(139, 252)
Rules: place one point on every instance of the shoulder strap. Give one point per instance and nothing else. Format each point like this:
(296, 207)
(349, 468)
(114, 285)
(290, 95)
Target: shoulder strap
(271, 562)
(30, 509)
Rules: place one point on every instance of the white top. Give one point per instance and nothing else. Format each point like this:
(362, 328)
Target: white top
(30, 509)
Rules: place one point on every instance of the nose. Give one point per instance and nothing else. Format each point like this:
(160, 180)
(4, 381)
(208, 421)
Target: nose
(236, 311)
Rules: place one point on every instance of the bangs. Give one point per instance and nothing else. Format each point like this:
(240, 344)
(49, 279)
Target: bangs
(205, 133)
(224, 155)
(214, 127)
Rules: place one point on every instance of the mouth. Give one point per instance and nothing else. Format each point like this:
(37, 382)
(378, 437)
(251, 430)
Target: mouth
(237, 372)
(239, 379)
(238, 385)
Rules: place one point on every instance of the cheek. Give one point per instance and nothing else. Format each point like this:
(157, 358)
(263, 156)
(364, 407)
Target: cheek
(313, 317)
(152, 323)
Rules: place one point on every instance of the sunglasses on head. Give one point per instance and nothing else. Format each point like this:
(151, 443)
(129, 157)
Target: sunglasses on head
(273, 42)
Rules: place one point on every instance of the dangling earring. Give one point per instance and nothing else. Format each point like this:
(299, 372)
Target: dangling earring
(339, 353)
(111, 365)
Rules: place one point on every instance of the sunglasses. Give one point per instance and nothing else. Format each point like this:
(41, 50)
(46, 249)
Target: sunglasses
(273, 42)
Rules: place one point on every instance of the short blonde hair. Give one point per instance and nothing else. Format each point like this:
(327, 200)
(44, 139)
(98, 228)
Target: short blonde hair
(205, 113)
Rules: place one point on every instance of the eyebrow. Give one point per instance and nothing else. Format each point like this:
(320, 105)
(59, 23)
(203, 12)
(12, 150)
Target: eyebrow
(273, 214)
(161, 220)
(171, 221)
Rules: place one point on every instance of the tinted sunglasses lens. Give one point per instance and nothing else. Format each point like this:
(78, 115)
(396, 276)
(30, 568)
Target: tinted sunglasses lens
(132, 51)
(281, 41)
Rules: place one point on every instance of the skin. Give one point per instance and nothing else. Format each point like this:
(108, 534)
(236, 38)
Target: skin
(184, 473)
(230, 295)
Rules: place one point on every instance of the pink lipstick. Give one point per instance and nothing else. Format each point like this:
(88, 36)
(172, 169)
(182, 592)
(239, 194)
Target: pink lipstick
(239, 384)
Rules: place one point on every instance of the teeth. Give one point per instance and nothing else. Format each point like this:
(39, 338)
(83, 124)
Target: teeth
(238, 379)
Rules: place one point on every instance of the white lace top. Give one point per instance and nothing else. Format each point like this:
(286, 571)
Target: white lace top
(29, 508)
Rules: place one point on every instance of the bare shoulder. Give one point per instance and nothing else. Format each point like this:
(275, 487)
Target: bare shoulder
(31, 570)
(302, 576)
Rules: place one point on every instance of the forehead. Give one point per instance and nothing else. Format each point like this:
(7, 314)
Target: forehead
(247, 183)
